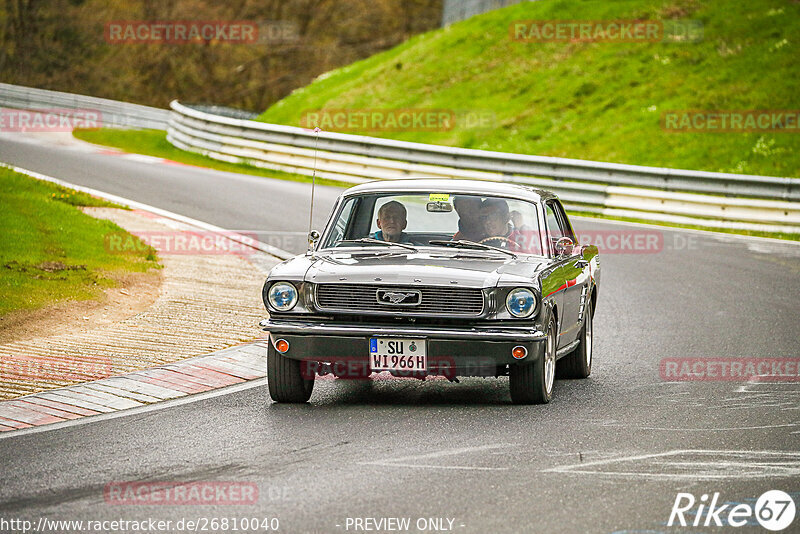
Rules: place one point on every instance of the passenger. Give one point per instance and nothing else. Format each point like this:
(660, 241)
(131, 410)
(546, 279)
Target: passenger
(470, 226)
(523, 235)
(516, 219)
(496, 224)
(391, 223)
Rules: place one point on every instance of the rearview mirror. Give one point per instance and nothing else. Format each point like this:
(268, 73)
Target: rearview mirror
(440, 207)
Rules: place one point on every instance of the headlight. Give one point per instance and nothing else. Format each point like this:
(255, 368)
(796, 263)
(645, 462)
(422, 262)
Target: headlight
(521, 302)
(282, 296)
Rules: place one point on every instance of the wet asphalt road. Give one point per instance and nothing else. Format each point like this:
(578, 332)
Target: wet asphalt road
(609, 454)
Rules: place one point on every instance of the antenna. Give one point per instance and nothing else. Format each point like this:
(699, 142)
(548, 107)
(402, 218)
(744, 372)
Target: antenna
(313, 187)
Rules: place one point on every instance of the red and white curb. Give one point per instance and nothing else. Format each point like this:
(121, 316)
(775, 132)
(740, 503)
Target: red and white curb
(222, 369)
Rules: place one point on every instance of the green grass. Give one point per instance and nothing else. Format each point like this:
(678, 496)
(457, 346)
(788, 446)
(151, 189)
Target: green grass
(154, 143)
(599, 101)
(50, 251)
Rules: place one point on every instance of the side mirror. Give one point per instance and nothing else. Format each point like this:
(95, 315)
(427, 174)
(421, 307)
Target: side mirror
(313, 237)
(563, 246)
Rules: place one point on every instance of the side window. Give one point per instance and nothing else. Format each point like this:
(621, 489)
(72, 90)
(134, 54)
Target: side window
(340, 226)
(557, 225)
(563, 221)
(554, 231)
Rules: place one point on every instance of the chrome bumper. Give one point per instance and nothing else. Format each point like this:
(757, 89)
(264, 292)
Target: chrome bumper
(323, 329)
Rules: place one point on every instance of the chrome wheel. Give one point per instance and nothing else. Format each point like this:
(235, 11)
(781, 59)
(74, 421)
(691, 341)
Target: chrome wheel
(550, 360)
(587, 339)
(578, 363)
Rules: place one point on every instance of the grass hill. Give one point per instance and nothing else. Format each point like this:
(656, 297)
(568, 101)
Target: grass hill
(600, 100)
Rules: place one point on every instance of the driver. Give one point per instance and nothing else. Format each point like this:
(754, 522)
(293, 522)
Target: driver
(391, 223)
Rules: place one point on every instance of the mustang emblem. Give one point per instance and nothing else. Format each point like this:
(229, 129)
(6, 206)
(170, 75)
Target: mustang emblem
(404, 298)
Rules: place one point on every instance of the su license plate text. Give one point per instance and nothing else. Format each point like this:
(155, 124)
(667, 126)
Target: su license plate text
(397, 354)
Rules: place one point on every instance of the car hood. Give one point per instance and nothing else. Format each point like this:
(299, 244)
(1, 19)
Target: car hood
(460, 268)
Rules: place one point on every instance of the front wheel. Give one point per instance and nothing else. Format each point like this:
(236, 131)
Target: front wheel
(285, 378)
(532, 383)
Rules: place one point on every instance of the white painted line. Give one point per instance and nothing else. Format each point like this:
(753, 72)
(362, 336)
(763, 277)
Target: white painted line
(724, 429)
(258, 245)
(424, 466)
(142, 158)
(673, 476)
(749, 467)
(136, 411)
(408, 461)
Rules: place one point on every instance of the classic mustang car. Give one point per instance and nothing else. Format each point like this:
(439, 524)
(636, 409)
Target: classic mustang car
(435, 277)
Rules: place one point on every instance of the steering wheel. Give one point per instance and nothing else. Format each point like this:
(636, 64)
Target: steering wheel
(501, 238)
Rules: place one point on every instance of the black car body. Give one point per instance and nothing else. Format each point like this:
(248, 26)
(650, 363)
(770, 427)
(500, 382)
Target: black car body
(509, 304)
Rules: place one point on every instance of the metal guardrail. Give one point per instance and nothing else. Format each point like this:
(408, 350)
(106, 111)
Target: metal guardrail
(113, 114)
(660, 194)
(669, 195)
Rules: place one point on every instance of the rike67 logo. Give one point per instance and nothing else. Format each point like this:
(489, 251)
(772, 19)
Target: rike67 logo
(774, 510)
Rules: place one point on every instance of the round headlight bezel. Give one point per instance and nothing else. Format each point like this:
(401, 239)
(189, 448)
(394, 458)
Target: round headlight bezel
(514, 295)
(273, 294)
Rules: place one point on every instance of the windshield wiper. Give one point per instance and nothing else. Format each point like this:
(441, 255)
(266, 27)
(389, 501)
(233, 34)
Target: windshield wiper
(465, 243)
(379, 242)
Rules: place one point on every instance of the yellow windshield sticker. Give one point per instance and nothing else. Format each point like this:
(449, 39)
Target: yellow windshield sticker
(439, 197)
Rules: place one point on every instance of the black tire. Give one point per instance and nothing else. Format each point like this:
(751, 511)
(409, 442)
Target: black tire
(285, 379)
(529, 381)
(578, 363)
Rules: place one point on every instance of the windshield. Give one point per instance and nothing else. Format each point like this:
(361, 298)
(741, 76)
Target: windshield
(427, 219)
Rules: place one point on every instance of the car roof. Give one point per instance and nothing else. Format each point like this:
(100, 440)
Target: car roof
(479, 187)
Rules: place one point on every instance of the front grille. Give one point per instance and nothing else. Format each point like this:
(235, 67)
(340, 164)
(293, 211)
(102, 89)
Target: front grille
(436, 301)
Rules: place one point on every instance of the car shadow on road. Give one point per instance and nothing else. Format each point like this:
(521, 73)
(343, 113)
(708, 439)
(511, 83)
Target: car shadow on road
(414, 392)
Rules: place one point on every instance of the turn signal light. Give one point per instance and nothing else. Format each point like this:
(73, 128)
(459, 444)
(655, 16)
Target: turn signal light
(519, 352)
(282, 345)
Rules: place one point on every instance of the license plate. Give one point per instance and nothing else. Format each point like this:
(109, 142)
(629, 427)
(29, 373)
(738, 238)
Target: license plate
(397, 354)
